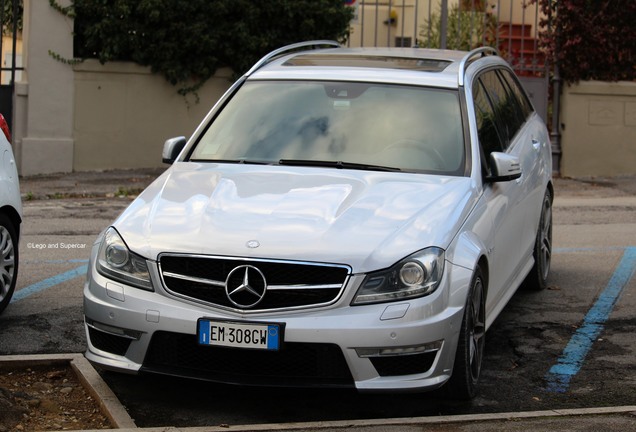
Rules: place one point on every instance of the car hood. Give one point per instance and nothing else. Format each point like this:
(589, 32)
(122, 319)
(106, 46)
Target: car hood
(367, 220)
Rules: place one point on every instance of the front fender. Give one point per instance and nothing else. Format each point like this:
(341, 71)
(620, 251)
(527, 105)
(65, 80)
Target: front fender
(467, 250)
(465, 253)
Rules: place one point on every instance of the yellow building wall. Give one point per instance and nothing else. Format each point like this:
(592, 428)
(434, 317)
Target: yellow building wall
(5, 60)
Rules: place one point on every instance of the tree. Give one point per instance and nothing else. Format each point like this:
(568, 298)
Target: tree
(590, 39)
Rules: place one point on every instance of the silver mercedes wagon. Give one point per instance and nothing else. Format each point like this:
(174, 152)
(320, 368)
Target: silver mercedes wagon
(342, 217)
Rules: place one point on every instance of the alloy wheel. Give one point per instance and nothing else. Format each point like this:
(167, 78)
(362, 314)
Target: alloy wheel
(7, 262)
(477, 329)
(545, 237)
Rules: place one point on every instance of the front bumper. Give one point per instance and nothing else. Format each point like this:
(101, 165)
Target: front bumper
(402, 346)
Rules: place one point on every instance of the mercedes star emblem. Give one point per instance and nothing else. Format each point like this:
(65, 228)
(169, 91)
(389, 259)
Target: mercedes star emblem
(245, 286)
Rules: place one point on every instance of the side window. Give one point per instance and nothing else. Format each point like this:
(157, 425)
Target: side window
(506, 109)
(488, 135)
(487, 131)
(522, 99)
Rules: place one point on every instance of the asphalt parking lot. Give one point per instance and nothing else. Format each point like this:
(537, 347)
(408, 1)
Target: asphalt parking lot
(570, 346)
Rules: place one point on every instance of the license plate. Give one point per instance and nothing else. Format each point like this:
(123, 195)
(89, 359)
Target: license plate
(264, 336)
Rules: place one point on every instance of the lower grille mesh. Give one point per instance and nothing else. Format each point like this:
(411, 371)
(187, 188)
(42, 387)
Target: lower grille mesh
(403, 365)
(296, 364)
(108, 342)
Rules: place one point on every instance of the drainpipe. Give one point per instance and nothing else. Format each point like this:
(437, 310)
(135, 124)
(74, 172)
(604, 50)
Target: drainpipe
(555, 134)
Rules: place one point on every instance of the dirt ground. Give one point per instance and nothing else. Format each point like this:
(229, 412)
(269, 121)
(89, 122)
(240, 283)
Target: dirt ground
(46, 398)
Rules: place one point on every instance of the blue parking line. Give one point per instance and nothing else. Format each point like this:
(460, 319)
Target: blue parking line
(588, 249)
(50, 282)
(571, 360)
(79, 260)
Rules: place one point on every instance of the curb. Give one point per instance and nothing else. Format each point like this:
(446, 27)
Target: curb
(405, 423)
(569, 201)
(88, 377)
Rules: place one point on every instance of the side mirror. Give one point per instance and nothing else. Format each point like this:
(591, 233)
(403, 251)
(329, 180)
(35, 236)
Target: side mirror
(503, 167)
(172, 148)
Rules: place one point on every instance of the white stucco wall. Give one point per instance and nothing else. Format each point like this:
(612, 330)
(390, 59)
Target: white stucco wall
(124, 113)
(91, 116)
(44, 98)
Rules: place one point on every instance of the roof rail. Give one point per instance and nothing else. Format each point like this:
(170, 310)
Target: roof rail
(464, 63)
(288, 48)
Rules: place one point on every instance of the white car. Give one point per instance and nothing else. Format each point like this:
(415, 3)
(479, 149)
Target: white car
(10, 217)
(342, 217)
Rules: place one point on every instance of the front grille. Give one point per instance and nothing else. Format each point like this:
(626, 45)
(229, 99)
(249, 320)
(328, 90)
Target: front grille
(296, 364)
(289, 284)
(109, 342)
(404, 364)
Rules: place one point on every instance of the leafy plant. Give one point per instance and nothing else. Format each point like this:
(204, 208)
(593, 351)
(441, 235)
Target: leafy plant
(188, 40)
(467, 28)
(590, 39)
(7, 16)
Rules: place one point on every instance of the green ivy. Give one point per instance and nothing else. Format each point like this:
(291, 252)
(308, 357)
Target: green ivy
(188, 40)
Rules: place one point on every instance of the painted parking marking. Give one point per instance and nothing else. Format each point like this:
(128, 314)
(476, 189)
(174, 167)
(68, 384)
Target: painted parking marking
(50, 282)
(588, 249)
(571, 360)
(71, 261)
(558, 377)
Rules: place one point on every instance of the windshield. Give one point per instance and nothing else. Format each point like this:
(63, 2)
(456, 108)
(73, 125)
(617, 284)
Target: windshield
(338, 124)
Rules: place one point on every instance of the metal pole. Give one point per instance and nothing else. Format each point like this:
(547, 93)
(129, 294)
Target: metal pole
(1, 29)
(15, 42)
(430, 24)
(443, 24)
(361, 18)
(388, 33)
(403, 23)
(375, 38)
(415, 33)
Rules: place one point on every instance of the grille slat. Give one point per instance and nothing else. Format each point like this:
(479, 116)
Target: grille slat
(202, 278)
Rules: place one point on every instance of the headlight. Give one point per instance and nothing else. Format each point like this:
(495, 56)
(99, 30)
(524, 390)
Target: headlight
(415, 276)
(117, 262)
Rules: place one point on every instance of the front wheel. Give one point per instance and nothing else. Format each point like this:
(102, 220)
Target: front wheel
(8, 260)
(462, 384)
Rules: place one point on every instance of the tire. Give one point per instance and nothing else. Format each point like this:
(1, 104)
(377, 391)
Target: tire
(8, 260)
(537, 279)
(462, 384)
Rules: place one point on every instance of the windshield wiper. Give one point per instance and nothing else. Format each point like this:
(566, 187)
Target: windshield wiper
(336, 164)
(236, 161)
